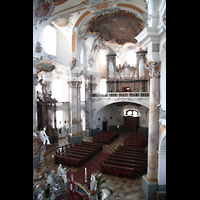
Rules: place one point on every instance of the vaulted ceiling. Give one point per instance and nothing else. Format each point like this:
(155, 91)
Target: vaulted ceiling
(120, 20)
(120, 26)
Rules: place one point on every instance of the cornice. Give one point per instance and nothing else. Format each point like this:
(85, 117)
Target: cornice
(148, 34)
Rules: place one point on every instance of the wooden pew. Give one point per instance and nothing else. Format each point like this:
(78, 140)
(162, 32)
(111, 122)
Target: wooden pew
(135, 148)
(83, 149)
(68, 160)
(136, 139)
(77, 154)
(78, 151)
(129, 157)
(106, 137)
(95, 148)
(73, 154)
(131, 151)
(115, 169)
(130, 154)
(143, 163)
(133, 143)
(137, 167)
(93, 144)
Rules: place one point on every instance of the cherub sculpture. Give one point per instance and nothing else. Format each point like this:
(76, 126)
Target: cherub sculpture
(43, 136)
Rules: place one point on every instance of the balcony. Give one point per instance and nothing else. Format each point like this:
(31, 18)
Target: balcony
(100, 100)
(121, 94)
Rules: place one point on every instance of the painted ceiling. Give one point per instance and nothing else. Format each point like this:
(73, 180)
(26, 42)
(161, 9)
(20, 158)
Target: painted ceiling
(120, 26)
(45, 65)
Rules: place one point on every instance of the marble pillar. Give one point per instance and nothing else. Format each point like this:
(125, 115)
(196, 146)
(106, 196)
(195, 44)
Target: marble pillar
(87, 105)
(75, 110)
(153, 135)
(150, 180)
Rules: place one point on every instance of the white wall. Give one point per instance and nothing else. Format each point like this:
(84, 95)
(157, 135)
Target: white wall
(63, 50)
(62, 92)
(104, 114)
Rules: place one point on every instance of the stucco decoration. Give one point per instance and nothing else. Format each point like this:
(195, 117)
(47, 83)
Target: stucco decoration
(120, 26)
(63, 21)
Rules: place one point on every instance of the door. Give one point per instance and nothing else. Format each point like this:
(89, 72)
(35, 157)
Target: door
(131, 124)
(105, 126)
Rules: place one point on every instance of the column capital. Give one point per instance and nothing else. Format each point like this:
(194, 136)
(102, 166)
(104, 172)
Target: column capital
(154, 69)
(74, 83)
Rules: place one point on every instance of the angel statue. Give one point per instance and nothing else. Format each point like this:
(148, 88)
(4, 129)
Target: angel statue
(61, 172)
(43, 136)
(93, 183)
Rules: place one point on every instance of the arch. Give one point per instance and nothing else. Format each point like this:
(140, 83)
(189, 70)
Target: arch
(81, 18)
(114, 101)
(103, 104)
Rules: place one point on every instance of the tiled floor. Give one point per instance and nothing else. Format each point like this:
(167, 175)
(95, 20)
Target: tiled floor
(131, 189)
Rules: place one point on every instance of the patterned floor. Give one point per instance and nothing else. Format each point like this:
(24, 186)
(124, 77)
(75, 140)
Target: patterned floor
(131, 189)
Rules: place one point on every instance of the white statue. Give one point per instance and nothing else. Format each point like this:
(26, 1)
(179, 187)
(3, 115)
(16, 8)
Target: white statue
(40, 195)
(43, 136)
(61, 172)
(93, 183)
(34, 134)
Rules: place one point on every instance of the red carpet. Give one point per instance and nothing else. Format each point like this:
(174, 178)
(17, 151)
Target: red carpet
(92, 166)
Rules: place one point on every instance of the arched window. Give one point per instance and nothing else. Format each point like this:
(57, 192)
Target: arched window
(132, 113)
(131, 57)
(50, 40)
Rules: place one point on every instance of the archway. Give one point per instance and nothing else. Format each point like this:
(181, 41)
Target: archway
(114, 114)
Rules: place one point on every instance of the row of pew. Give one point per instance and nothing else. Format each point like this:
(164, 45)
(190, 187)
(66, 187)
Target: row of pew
(127, 161)
(77, 154)
(105, 137)
(136, 140)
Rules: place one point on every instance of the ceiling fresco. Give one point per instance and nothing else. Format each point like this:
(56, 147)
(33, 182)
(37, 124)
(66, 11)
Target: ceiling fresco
(120, 26)
(45, 65)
